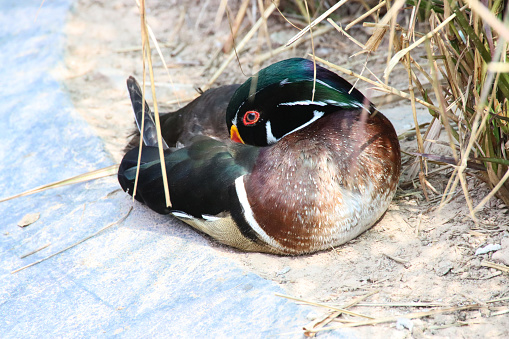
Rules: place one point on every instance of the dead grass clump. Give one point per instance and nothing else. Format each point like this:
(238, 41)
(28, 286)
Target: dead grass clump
(466, 55)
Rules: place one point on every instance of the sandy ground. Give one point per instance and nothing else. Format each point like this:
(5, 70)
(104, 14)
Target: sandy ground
(415, 254)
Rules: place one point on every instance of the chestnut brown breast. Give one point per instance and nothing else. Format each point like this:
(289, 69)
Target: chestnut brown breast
(325, 184)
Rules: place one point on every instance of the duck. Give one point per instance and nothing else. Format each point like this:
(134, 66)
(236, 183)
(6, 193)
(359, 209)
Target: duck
(293, 161)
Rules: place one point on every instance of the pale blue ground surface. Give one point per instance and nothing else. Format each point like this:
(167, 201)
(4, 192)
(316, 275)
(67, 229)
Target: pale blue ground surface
(142, 278)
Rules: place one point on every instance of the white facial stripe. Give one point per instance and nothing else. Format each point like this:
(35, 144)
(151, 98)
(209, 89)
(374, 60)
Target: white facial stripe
(284, 82)
(271, 139)
(317, 115)
(303, 102)
(248, 214)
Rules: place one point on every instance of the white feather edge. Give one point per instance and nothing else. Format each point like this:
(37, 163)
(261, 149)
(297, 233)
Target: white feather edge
(249, 216)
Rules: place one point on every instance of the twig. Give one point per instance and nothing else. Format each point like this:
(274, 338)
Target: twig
(499, 313)
(34, 251)
(365, 15)
(395, 318)
(497, 300)
(139, 48)
(500, 267)
(330, 317)
(416, 304)
(315, 22)
(100, 173)
(323, 305)
(241, 45)
(396, 259)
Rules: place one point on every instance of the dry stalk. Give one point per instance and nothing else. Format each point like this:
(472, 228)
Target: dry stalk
(321, 322)
(93, 175)
(324, 305)
(147, 56)
(262, 57)
(342, 31)
(316, 22)
(499, 267)
(395, 318)
(227, 47)
(240, 46)
(34, 251)
(362, 17)
(395, 59)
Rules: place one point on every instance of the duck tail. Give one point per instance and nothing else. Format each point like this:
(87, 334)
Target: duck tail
(149, 126)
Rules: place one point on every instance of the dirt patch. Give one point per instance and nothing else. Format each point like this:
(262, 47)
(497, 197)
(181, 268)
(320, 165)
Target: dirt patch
(416, 254)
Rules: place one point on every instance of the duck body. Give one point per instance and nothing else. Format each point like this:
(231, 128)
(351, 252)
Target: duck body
(315, 174)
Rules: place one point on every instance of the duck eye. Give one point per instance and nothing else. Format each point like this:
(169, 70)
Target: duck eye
(251, 117)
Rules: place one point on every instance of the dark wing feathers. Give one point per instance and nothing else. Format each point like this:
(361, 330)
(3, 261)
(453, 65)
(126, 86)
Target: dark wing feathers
(199, 176)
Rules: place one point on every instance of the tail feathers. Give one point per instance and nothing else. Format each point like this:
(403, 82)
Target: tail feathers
(149, 126)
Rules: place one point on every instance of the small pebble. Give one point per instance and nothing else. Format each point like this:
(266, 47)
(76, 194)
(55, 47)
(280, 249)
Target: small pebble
(403, 323)
(313, 315)
(488, 248)
(284, 270)
(444, 267)
(502, 256)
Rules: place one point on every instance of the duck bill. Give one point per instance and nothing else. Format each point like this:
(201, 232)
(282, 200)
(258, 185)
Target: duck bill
(234, 135)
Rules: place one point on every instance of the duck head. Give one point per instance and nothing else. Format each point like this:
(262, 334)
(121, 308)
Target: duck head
(279, 100)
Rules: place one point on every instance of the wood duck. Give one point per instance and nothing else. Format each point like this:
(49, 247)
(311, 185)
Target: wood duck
(288, 173)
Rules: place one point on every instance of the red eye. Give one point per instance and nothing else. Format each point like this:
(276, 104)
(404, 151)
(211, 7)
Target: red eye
(251, 117)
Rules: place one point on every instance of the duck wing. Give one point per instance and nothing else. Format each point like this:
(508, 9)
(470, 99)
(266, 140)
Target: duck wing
(200, 176)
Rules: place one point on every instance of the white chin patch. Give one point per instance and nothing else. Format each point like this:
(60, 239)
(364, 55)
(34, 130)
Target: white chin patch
(271, 139)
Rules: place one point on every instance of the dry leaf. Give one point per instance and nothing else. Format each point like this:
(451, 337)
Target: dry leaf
(29, 219)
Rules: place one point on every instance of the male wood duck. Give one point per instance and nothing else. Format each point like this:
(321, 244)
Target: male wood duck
(266, 167)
